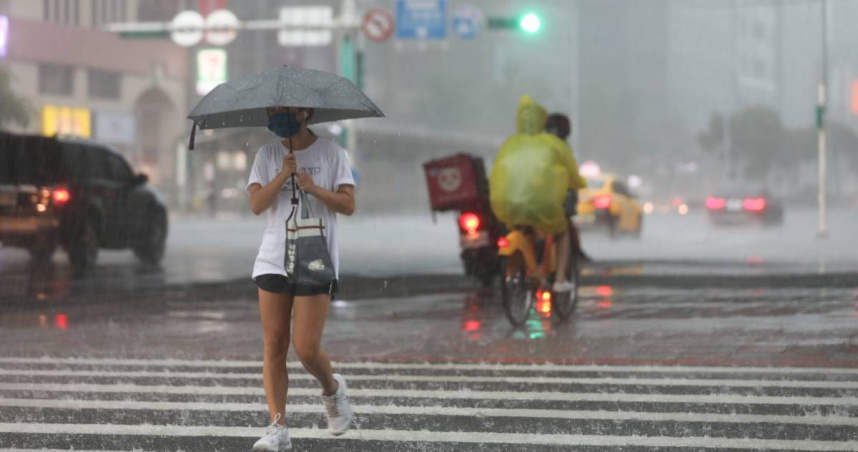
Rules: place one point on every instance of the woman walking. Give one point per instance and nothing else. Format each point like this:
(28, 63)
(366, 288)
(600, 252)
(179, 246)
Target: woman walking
(321, 170)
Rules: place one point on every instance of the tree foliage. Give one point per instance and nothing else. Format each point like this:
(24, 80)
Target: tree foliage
(13, 108)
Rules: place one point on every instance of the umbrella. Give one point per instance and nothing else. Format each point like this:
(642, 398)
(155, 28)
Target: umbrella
(245, 102)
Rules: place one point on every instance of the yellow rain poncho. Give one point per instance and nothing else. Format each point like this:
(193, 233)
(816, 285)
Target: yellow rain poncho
(532, 174)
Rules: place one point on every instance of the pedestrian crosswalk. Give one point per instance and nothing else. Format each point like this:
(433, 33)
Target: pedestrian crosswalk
(170, 405)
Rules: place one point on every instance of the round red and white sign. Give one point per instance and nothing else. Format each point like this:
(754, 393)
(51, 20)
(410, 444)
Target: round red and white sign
(378, 25)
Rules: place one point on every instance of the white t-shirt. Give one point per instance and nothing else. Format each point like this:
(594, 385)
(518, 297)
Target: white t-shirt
(328, 163)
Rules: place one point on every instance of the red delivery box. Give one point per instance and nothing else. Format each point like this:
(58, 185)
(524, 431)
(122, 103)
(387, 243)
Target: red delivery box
(454, 182)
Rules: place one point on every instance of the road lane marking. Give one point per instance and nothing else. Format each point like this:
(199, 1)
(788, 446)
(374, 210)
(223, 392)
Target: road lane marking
(608, 381)
(441, 394)
(436, 437)
(439, 411)
(546, 367)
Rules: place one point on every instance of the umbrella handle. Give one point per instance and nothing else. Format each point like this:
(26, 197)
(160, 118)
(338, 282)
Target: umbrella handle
(294, 195)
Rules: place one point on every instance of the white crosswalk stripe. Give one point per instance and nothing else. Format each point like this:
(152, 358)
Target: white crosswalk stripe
(116, 404)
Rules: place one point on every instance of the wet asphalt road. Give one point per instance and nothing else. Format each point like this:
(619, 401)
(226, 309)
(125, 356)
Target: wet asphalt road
(742, 350)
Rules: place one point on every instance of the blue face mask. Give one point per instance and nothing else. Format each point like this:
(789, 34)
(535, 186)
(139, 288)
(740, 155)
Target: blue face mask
(284, 125)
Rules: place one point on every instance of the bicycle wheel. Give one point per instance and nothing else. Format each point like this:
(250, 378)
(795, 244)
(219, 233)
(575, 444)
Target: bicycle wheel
(516, 291)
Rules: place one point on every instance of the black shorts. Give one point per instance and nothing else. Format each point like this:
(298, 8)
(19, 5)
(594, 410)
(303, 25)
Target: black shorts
(280, 284)
(570, 204)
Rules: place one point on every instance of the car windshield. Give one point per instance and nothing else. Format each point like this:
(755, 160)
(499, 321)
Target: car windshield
(595, 184)
(739, 191)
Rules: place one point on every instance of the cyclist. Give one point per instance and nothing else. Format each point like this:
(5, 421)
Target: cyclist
(531, 177)
(559, 125)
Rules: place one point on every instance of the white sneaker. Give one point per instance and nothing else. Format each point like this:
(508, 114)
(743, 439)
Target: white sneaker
(565, 286)
(338, 409)
(276, 439)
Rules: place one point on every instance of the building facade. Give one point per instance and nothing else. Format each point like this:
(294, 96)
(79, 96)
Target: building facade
(81, 81)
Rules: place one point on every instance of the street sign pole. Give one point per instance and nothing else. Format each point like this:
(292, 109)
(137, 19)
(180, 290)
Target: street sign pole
(822, 232)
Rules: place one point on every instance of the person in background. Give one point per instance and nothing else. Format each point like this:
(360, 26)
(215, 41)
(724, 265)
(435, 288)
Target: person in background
(559, 125)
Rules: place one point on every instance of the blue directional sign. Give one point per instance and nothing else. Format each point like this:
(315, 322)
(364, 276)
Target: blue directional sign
(421, 19)
(468, 21)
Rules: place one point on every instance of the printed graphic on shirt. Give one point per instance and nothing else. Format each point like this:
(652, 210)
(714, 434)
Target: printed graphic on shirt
(311, 170)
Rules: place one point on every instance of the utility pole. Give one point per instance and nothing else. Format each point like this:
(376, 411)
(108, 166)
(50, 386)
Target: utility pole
(350, 63)
(820, 124)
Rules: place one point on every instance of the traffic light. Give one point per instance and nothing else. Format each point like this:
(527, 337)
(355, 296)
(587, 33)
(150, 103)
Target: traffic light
(529, 23)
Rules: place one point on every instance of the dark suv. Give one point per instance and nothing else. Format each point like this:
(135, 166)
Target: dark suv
(78, 194)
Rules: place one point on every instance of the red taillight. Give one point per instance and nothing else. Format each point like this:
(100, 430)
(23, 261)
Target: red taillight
(755, 204)
(503, 242)
(602, 201)
(715, 203)
(61, 321)
(470, 222)
(61, 196)
(543, 301)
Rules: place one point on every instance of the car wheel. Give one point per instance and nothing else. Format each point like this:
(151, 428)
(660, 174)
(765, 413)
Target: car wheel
(83, 245)
(774, 220)
(151, 249)
(42, 250)
(639, 231)
(613, 226)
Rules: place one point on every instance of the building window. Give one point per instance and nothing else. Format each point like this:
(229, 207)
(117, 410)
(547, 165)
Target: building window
(51, 10)
(157, 10)
(103, 12)
(104, 84)
(64, 12)
(56, 79)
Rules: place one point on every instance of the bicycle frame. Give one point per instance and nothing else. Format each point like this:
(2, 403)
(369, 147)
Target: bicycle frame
(519, 242)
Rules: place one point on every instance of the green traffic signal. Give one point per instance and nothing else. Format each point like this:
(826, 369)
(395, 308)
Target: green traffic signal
(530, 23)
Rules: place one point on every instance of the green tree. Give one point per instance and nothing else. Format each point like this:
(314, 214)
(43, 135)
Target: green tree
(756, 138)
(13, 108)
(842, 139)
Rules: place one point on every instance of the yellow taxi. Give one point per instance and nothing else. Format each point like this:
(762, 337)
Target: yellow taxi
(607, 203)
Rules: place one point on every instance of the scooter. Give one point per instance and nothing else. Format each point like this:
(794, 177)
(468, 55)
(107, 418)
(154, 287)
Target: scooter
(458, 183)
(528, 271)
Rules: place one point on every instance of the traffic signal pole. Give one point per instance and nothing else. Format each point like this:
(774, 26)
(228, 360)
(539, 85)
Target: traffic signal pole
(348, 50)
(822, 231)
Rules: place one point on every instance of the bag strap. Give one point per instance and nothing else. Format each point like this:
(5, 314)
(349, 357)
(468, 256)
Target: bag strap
(306, 210)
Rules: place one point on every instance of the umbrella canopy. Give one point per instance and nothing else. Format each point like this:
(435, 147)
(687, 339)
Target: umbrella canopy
(244, 102)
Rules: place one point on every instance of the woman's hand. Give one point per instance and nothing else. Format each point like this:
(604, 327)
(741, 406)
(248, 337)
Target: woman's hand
(290, 165)
(305, 182)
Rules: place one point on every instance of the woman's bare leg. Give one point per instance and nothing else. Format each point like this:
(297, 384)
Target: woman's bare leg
(275, 311)
(310, 314)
